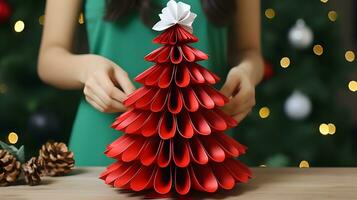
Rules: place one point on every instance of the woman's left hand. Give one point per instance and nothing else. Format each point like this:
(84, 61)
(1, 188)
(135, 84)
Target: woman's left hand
(240, 89)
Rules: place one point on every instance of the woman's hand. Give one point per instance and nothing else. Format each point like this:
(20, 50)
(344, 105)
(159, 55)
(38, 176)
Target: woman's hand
(106, 85)
(240, 89)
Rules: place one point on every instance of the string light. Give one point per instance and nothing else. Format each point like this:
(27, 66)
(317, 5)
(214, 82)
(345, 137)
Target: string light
(3, 88)
(13, 138)
(285, 62)
(264, 112)
(332, 16)
(270, 13)
(41, 19)
(81, 19)
(262, 166)
(304, 164)
(318, 49)
(19, 26)
(352, 85)
(324, 129)
(324, 1)
(350, 56)
(331, 128)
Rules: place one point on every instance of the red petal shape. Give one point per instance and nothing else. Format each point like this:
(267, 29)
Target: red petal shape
(167, 126)
(111, 168)
(143, 178)
(151, 125)
(182, 76)
(190, 100)
(214, 120)
(151, 151)
(218, 98)
(184, 125)
(229, 120)
(117, 173)
(176, 55)
(203, 178)
(146, 99)
(127, 175)
(203, 98)
(120, 145)
(181, 154)
(230, 145)
(182, 180)
(141, 77)
(239, 171)
(196, 75)
(175, 34)
(214, 151)
(224, 178)
(188, 53)
(165, 154)
(197, 151)
(138, 123)
(200, 124)
(133, 97)
(163, 180)
(161, 54)
(153, 78)
(175, 101)
(132, 152)
(130, 118)
(159, 101)
(166, 77)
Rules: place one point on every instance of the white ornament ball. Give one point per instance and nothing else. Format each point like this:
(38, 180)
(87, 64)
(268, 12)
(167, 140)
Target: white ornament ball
(300, 35)
(297, 106)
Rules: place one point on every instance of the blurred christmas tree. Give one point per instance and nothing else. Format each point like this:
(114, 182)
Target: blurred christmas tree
(297, 117)
(30, 111)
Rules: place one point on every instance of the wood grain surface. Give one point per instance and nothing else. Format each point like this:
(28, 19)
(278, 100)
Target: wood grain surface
(267, 184)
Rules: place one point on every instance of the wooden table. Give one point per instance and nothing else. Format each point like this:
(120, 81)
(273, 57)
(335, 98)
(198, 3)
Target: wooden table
(268, 184)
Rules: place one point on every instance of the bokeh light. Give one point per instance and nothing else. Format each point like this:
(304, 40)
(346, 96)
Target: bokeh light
(318, 50)
(350, 56)
(13, 138)
(304, 164)
(324, 129)
(264, 112)
(19, 26)
(352, 86)
(332, 16)
(285, 62)
(270, 13)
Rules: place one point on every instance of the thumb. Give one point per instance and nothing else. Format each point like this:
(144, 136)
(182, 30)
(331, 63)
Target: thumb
(123, 79)
(230, 86)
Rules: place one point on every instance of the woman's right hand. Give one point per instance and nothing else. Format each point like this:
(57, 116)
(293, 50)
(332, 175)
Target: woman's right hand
(106, 85)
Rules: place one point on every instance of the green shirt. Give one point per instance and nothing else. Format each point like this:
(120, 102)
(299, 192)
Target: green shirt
(126, 42)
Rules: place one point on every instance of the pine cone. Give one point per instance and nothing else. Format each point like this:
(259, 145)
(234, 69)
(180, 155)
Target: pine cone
(55, 159)
(32, 171)
(9, 168)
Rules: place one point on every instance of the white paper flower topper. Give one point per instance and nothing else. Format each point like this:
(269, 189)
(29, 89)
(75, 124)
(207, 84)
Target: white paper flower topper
(175, 13)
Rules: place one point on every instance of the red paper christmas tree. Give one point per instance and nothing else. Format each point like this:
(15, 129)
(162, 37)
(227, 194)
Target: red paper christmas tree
(174, 136)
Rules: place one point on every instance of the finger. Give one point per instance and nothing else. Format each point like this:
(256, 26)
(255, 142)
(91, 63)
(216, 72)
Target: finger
(124, 81)
(94, 104)
(241, 116)
(111, 90)
(236, 106)
(230, 86)
(116, 106)
(98, 93)
(94, 97)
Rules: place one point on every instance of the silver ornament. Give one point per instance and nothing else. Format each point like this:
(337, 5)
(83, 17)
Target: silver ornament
(298, 106)
(300, 35)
